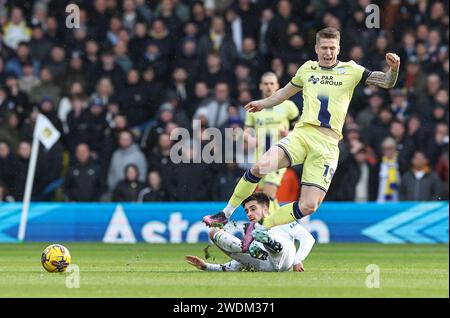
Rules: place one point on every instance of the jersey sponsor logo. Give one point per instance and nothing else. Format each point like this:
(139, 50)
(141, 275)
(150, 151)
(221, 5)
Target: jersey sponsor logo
(313, 79)
(324, 80)
(329, 80)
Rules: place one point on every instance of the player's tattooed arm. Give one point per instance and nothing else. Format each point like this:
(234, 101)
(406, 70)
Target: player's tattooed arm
(388, 79)
(381, 79)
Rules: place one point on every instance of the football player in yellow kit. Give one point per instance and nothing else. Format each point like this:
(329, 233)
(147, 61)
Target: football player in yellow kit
(327, 86)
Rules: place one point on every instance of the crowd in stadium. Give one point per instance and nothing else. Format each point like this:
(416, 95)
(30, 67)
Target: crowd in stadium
(135, 70)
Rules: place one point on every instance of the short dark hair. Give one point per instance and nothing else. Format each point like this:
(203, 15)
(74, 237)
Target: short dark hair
(328, 33)
(259, 197)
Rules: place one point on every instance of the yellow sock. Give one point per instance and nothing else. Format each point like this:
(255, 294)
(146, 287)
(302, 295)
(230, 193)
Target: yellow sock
(245, 187)
(283, 215)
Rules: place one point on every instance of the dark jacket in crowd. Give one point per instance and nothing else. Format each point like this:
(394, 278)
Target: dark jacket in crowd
(127, 191)
(428, 188)
(190, 182)
(150, 195)
(20, 177)
(346, 177)
(83, 182)
(224, 183)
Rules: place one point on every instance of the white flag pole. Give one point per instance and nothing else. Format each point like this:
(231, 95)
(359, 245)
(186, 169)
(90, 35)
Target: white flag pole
(29, 185)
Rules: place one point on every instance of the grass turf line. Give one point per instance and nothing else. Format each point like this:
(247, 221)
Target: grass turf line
(153, 270)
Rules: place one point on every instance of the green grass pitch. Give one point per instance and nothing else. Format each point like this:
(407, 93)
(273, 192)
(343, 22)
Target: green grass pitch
(145, 270)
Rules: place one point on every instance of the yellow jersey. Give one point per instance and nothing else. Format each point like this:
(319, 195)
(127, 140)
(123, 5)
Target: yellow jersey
(327, 92)
(269, 122)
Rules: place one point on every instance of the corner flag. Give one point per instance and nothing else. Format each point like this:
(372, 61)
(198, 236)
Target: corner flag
(45, 132)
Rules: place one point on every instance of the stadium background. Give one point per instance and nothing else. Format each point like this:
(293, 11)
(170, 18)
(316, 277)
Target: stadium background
(151, 66)
(136, 70)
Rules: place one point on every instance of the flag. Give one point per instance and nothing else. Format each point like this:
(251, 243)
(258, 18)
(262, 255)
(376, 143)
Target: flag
(46, 132)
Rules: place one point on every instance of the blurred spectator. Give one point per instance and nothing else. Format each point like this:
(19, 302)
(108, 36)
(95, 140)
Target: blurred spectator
(152, 133)
(438, 143)
(153, 192)
(235, 22)
(400, 106)
(413, 79)
(56, 63)
(16, 29)
(420, 183)
(40, 45)
(356, 177)
(83, 179)
(190, 181)
(128, 153)
(367, 115)
(17, 187)
(17, 97)
(7, 162)
(9, 130)
(213, 72)
(389, 176)
(442, 170)
(46, 87)
(218, 41)
(378, 130)
(128, 189)
(23, 56)
(216, 110)
(134, 100)
(28, 80)
(107, 68)
(187, 58)
(277, 37)
(121, 56)
(4, 193)
(104, 90)
(175, 105)
(137, 44)
(76, 72)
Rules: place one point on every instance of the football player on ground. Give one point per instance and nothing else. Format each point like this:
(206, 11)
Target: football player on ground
(271, 251)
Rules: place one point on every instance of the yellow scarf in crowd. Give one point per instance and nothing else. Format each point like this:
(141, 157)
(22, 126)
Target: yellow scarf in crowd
(216, 40)
(392, 180)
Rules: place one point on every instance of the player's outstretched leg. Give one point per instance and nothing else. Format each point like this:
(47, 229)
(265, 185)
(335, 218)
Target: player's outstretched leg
(267, 240)
(310, 199)
(227, 242)
(274, 159)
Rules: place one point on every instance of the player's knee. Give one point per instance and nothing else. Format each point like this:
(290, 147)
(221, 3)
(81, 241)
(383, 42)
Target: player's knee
(261, 168)
(256, 170)
(212, 233)
(308, 207)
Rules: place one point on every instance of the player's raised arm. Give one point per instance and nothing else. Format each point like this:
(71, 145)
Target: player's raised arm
(388, 79)
(277, 98)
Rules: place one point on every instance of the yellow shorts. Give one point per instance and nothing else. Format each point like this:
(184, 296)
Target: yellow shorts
(272, 178)
(317, 152)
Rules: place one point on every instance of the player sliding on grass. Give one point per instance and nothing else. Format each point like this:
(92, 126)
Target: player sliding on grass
(272, 251)
(327, 86)
(269, 126)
